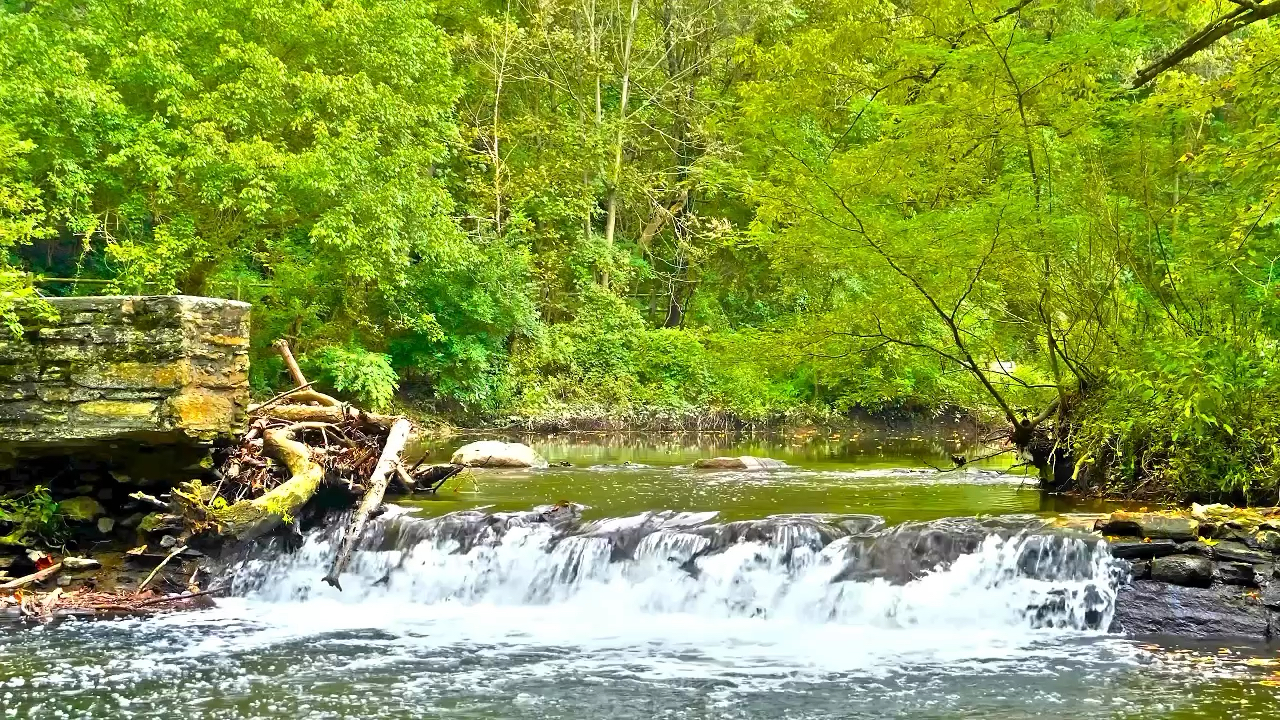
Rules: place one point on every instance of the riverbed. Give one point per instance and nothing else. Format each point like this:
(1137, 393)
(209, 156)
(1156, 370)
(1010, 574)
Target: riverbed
(672, 593)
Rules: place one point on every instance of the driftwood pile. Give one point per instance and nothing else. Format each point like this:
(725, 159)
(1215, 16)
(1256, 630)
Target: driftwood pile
(88, 604)
(296, 444)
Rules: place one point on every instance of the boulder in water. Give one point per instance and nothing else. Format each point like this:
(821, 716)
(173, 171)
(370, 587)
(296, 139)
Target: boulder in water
(742, 462)
(498, 454)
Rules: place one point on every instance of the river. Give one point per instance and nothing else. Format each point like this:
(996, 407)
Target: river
(673, 593)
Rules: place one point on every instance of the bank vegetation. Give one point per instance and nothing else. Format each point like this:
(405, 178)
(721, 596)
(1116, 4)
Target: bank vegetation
(1060, 216)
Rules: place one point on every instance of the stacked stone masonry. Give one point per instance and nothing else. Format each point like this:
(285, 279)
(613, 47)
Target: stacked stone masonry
(162, 369)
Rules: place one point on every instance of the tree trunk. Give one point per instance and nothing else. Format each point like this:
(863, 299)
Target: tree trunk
(500, 74)
(611, 221)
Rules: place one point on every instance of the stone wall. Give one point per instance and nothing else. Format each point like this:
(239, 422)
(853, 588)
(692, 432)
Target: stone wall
(1209, 573)
(162, 369)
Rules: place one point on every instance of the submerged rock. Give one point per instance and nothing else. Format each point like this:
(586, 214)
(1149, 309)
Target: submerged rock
(741, 462)
(498, 454)
(83, 508)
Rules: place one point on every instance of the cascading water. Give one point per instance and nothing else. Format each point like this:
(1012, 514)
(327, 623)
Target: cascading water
(544, 615)
(812, 571)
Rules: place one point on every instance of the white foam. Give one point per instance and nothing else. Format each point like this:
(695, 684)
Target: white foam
(667, 611)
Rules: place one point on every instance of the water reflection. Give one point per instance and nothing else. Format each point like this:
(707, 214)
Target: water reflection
(902, 477)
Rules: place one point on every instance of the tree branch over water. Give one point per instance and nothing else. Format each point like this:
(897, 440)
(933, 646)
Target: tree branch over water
(1247, 13)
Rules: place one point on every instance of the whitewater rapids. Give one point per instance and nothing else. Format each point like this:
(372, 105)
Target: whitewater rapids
(822, 592)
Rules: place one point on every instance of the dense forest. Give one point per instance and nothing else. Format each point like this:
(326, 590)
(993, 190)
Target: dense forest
(1060, 214)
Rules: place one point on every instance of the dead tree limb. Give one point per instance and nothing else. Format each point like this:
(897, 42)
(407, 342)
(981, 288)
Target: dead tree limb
(301, 394)
(282, 347)
(1246, 14)
(34, 577)
(377, 487)
(431, 477)
(405, 479)
(287, 393)
(155, 571)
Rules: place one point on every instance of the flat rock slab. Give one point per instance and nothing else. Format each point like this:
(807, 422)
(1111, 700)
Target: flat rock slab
(742, 462)
(1136, 549)
(1148, 607)
(1150, 525)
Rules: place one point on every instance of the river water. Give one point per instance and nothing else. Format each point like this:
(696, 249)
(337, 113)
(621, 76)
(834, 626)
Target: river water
(856, 584)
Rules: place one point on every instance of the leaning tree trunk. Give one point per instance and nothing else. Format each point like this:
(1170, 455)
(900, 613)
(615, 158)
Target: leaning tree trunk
(382, 473)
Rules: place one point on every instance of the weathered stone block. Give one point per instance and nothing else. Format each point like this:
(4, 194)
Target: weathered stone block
(1150, 525)
(128, 410)
(156, 369)
(129, 375)
(1190, 570)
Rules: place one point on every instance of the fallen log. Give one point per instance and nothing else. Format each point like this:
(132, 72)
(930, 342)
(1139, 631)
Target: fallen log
(328, 414)
(34, 577)
(377, 487)
(251, 518)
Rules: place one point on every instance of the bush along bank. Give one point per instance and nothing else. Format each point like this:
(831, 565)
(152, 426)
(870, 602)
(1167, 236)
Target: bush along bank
(921, 419)
(1206, 572)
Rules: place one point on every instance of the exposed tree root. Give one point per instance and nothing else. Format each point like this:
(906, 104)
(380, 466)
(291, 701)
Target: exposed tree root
(251, 518)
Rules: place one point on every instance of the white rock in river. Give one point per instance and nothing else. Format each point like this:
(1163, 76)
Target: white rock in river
(742, 462)
(495, 453)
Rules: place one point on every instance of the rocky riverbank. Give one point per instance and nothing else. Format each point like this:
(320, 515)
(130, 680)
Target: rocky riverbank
(1206, 572)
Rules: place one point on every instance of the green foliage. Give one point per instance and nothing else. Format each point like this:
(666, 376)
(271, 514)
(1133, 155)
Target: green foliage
(1196, 419)
(33, 516)
(758, 208)
(367, 376)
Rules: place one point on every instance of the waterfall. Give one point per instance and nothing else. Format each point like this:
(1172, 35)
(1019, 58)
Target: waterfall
(810, 570)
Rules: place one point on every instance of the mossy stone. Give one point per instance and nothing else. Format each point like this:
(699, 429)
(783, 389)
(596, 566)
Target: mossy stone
(82, 508)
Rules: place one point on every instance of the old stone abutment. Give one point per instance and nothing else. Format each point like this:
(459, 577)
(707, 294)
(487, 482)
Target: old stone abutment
(97, 371)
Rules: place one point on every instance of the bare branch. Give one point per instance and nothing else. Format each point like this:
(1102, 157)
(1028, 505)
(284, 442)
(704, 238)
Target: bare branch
(1248, 13)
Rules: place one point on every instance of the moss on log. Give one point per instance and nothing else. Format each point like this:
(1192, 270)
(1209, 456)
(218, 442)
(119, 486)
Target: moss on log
(251, 518)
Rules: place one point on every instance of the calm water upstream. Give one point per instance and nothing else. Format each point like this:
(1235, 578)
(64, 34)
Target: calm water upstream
(675, 593)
